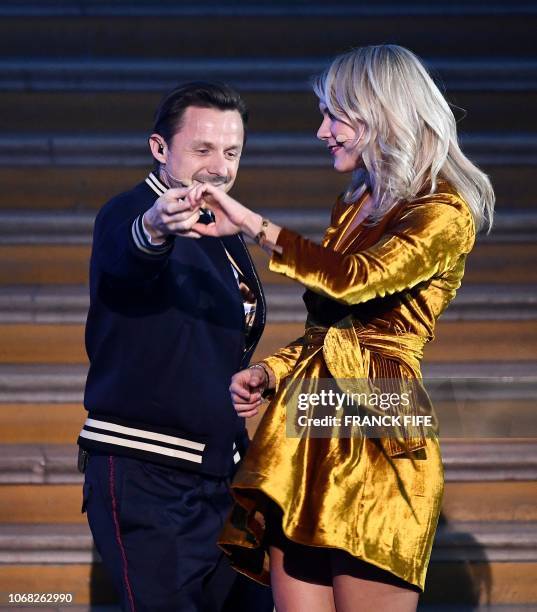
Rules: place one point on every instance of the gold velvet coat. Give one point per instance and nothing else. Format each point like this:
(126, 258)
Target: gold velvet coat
(368, 497)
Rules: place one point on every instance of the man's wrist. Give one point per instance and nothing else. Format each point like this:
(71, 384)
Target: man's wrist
(155, 238)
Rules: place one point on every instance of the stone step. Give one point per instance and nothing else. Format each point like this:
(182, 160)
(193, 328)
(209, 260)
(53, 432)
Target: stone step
(487, 502)
(64, 383)
(489, 460)
(499, 587)
(477, 461)
(42, 404)
(40, 110)
(306, 33)
(500, 570)
(454, 341)
(86, 582)
(53, 227)
(262, 150)
(467, 408)
(270, 75)
(46, 543)
(67, 544)
(480, 582)
(144, 8)
(488, 263)
(47, 423)
(75, 188)
(60, 383)
(69, 303)
(470, 580)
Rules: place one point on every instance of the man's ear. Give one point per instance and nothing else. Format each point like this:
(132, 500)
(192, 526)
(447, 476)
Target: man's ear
(158, 147)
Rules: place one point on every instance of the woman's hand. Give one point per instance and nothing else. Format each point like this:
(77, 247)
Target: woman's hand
(231, 217)
(246, 389)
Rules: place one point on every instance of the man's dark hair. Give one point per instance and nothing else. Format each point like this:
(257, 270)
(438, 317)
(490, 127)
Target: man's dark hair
(201, 94)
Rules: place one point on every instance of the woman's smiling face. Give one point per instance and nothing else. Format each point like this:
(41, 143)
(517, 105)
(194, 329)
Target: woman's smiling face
(340, 138)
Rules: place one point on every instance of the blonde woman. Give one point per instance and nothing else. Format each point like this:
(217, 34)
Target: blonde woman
(348, 523)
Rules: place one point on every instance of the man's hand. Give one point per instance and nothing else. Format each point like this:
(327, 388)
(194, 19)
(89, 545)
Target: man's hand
(172, 214)
(246, 389)
(231, 217)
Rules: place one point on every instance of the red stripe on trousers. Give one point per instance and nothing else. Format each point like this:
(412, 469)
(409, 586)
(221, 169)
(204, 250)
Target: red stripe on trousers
(118, 532)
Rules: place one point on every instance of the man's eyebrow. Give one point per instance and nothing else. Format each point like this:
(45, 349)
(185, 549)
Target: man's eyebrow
(210, 145)
(203, 143)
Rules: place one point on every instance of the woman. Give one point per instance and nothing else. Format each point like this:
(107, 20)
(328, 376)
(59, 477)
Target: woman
(349, 522)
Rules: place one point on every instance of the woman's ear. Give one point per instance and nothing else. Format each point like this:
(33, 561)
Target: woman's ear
(158, 147)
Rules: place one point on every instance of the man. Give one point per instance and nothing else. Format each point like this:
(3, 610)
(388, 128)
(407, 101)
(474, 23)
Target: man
(172, 317)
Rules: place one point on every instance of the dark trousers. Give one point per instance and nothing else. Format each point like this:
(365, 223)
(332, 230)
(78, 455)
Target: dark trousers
(155, 529)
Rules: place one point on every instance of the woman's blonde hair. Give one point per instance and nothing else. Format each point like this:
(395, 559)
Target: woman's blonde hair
(410, 138)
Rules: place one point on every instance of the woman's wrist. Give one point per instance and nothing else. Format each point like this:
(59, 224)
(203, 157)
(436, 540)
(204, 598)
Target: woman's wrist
(270, 379)
(261, 230)
(258, 366)
(251, 224)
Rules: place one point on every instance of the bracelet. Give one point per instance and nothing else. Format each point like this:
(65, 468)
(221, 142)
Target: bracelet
(267, 377)
(261, 239)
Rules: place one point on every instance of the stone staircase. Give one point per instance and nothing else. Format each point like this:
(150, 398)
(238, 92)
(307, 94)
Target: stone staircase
(79, 82)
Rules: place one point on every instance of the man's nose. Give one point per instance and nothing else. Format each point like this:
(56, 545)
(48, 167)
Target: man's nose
(218, 165)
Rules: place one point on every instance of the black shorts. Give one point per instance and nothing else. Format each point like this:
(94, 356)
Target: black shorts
(319, 564)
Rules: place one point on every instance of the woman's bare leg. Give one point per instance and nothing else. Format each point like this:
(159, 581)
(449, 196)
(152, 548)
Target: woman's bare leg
(294, 575)
(361, 587)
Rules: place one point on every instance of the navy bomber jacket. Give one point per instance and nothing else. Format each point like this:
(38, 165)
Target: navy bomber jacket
(165, 333)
